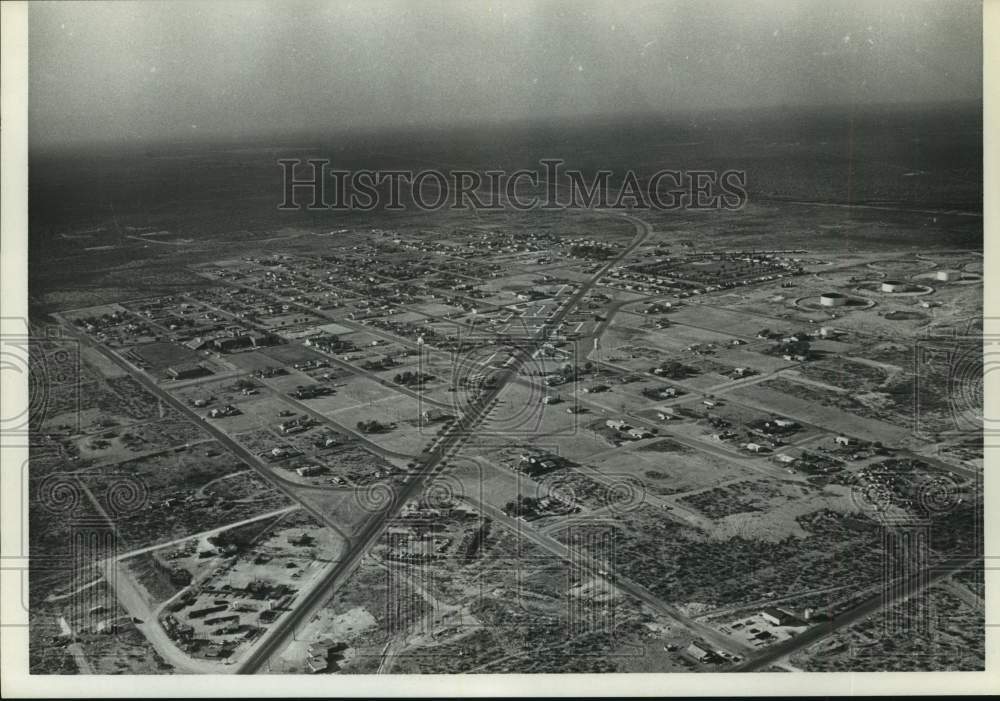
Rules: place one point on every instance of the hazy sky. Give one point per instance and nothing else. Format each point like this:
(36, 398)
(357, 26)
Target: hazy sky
(140, 71)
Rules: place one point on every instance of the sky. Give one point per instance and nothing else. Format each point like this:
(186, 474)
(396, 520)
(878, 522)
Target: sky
(140, 72)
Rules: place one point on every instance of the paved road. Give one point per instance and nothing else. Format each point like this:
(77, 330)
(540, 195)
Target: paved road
(869, 606)
(205, 534)
(451, 440)
(595, 568)
(248, 457)
(368, 374)
(321, 418)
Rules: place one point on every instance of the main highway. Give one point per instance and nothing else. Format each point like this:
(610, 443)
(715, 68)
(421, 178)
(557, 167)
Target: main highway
(452, 439)
(912, 586)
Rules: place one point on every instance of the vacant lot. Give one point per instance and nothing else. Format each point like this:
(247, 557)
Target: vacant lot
(667, 467)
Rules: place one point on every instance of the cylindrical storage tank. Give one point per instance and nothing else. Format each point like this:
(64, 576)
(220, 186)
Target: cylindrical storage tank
(892, 286)
(832, 299)
(946, 275)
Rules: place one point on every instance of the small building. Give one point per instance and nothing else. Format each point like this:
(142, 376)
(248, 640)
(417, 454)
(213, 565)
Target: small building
(754, 447)
(616, 424)
(785, 458)
(321, 648)
(107, 626)
(315, 665)
(843, 440)
(201, 613)
(228, 410)
(230, 344)
(698, 653)
(779, 617)
(187, 371)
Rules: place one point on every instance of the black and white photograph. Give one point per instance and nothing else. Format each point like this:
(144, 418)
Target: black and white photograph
(390, 339)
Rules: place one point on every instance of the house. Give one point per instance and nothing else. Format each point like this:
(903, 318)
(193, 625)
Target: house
(638, 433)
(785, 458)
(294, 426)
(843, 440)
(309, 470)
(666, 414)
(228, 410)
(616, 424)
(754, 447)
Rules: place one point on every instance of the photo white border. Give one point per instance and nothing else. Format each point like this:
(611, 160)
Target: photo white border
(16, 683)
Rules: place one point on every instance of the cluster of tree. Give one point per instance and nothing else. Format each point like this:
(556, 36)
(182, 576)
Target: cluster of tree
(591, 251)
(794, 348)
(233, 538)
(410, 378)
(372, 426)
(674, 370)
(522, 506)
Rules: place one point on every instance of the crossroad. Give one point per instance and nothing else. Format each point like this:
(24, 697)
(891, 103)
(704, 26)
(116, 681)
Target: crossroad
(457, 433)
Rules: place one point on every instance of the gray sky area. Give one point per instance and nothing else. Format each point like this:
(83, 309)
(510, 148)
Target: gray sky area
(142, 71)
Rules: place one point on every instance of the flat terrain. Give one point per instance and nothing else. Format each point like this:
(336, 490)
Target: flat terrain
(503, 441)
